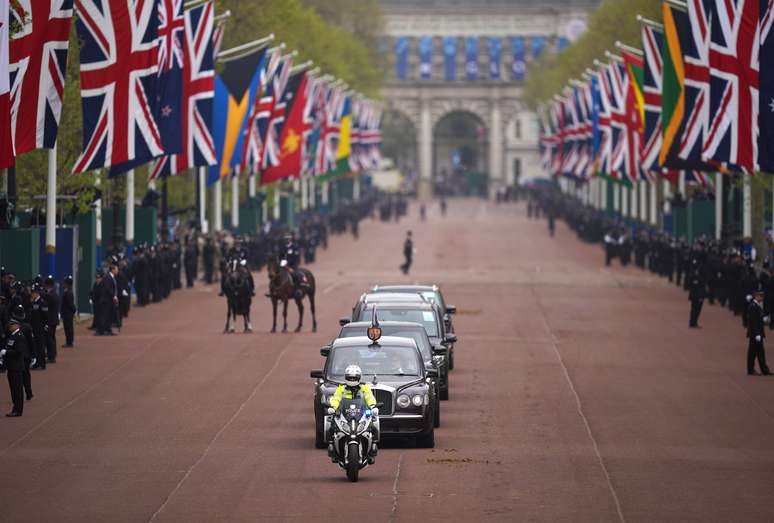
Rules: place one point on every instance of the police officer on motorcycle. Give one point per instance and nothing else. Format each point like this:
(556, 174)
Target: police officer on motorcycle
(353, 389)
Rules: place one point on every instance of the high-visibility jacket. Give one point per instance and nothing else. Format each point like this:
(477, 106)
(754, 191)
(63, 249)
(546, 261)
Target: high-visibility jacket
(345, 392)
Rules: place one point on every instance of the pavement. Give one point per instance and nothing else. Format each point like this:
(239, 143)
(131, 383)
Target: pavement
(579, 394)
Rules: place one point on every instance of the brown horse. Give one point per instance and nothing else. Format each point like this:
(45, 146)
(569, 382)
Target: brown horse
(283, 288)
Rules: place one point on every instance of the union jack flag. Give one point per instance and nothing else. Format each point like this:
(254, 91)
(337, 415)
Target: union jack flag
(329, 146)
(119, 69)
(258, 118)
(603, 138)
(732, 132)
(272, 146)
(38, 60)
(618, 82)
(198, 89)
(652, 41)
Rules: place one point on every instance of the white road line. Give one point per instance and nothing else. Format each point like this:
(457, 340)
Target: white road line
(395, 489)
(579, 407)
(80, 395)
(217, 435)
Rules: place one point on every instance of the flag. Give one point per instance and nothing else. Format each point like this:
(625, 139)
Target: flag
(345, 137)
(277, 90)
(652, 43)
(401, 57)
(518, 65)
(38, 61)
(450, 58)
(329, 137)
(119, 69)
(495, 52)
(235, 90)
(635, 111)
(6, 142)
(621, 161)
(258, 118)
(538, 46)
(292, 132)
(198, 90)
(673, 78)
(471, 58)
(766, 109)
(732, 130)
(168, 106)
(603, 138)
(310, 136)
(426, 57)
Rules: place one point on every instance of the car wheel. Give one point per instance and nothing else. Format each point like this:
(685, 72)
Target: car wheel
(426, 441)
(319, 437)
(451, 359)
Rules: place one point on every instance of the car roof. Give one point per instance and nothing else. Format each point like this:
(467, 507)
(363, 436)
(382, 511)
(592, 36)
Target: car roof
(392, 296)
(402, 288)
(421, 305)
(360, 341)
(387, 323)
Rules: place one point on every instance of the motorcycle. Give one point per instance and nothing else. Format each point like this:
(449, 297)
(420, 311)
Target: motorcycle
(353, 431)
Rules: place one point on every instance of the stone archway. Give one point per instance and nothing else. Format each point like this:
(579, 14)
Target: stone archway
(460, 152)
(399, 141)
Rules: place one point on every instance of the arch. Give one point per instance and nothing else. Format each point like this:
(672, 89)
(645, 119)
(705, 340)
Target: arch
(399, 142)
(442, 108)
(461, 153)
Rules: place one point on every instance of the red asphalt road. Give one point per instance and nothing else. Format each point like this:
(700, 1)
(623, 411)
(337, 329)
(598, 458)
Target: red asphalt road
(579, 395)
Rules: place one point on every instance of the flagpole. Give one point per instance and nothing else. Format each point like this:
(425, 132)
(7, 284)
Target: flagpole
(129, 212)
(202, 181)
(643, 201)
(51, 213)
(746, 207)
(251, 46)
(251, 185)
(653, 203)
(718, 206)
(98, 219)
(304, 193)
(276, 207)
(312, 186)
(234, 200)
(217, 206)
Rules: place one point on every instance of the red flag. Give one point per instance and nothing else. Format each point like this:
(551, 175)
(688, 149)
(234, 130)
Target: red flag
(291, 138)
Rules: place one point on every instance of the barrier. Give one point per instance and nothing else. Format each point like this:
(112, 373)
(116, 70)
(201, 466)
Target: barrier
(20, 251)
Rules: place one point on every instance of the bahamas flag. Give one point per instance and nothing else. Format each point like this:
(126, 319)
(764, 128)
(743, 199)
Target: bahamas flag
(235, 90)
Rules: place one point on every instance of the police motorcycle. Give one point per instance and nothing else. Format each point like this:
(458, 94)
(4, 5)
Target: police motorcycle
(354, 430)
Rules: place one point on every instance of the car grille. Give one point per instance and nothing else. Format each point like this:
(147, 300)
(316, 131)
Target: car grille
(384, 398)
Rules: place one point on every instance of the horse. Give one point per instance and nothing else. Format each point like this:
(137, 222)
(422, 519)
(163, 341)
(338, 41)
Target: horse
(282, 287)
(236, 287)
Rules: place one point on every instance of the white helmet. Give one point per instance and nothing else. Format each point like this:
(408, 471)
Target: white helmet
(352, 375)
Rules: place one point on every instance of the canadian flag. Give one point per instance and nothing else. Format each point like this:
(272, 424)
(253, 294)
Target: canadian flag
(6, 143)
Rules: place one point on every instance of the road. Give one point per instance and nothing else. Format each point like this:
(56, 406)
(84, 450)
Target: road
(579, 394)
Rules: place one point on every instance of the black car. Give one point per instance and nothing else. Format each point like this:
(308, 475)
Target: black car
(426, 313)
(429, 292)
(434, 356)
(370, 298)
(394, 369)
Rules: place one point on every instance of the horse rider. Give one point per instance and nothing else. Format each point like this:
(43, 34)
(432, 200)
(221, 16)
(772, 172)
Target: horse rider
(353, 388)
(291, 256)
(242, 268)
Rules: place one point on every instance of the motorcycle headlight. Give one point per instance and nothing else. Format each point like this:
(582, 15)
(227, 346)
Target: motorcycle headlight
(403, 401)
(342, 424)
(417, 400)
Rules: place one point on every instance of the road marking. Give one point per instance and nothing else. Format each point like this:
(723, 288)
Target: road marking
(579, 407)
(395, 489)
(218, 434)
(331, 287)
(80, 395)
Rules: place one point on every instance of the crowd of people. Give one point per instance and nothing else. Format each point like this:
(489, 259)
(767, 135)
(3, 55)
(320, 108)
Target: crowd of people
(733, 276)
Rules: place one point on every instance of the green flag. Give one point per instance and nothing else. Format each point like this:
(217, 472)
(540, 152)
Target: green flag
(672, 94)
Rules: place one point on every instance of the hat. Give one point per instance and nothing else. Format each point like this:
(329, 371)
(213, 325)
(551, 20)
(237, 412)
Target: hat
(18, 313)
(38, 279)
(49, 280)
(100, 273)
(68, 279)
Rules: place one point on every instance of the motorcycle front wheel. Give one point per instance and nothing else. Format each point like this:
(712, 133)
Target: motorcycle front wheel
(353, 463)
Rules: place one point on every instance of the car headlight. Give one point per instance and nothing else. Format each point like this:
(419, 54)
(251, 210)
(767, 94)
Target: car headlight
(403, 401)
(417, 400)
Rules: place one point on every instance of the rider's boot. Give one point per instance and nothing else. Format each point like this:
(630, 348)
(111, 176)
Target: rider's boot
(331, 453)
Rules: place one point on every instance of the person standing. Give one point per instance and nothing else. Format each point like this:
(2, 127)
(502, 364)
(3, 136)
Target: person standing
(68, 312)
(756, 332)
(696, 293)
(408, 253)
(13, 354)
(208, 257)
(52, 318)
(39, 324)
(190, 259)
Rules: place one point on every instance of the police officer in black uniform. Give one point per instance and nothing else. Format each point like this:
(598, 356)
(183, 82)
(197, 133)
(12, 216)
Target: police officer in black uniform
(13, 354)
(39, 325)
(68, 312)
(52, 318)
(756, 332)
(408, 253)
(696, 293)
(190, 260)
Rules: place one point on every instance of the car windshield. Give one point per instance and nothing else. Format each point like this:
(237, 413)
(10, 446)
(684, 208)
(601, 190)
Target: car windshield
(418, 335)
(433, 296)
(426, 318)
(382, 361)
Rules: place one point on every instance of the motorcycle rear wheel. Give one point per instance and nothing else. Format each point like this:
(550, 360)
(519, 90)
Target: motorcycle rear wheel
(353, 465)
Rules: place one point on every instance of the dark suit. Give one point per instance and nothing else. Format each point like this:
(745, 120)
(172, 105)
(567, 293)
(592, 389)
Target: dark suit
(697, 293)
(39, 324)
(52, 320)
(68, 314)
(15, 351)
(756, 329)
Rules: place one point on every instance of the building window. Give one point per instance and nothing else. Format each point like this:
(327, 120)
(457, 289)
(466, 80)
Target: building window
(518, 128)
(516, 170)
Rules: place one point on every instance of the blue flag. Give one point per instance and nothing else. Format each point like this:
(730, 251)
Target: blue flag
(538, 46)
(495, 52)
(766, 97)
(563, 43)
(426, 57)
(518, 65)
(595, 110)
(450, 58)
(471, 58)
(401, 57)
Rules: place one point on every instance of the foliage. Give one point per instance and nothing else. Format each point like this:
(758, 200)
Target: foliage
(615, 20)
